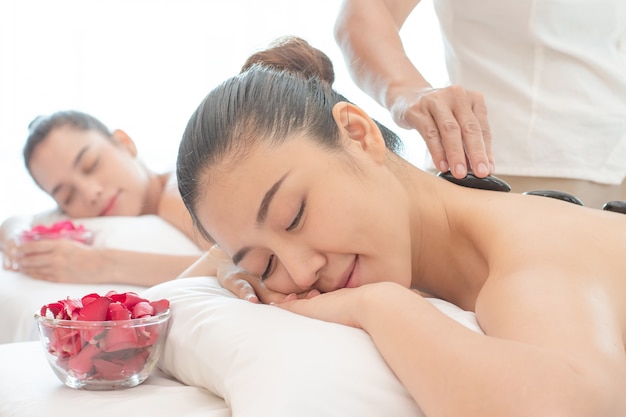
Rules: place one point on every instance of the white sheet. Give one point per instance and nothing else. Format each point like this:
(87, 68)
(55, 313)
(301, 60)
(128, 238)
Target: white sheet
(28, 388)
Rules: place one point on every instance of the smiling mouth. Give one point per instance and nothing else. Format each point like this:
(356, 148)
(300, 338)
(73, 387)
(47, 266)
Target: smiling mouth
(108, 209)
(349, 280)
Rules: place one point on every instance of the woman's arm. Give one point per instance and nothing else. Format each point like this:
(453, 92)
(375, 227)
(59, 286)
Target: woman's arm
(375, 57)
(69, 261)
(453, 371)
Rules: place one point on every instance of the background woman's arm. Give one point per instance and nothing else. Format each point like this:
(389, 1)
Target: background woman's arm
(70, 261)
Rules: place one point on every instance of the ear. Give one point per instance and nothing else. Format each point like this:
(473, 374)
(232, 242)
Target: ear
(125, 141)
(357, 128)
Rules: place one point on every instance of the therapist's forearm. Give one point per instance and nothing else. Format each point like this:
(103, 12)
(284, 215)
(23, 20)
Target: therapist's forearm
(367, 32)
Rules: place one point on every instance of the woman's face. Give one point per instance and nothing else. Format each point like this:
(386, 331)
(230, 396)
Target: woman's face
(304, 218)
(90, 175)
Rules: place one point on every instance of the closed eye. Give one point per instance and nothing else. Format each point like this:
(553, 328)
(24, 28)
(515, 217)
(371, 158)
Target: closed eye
(268, 269)
(69, 198)
(298, 218)
(93, 166)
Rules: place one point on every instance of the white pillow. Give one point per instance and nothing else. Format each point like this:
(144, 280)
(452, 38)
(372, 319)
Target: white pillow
(148, 233)
(265, 361)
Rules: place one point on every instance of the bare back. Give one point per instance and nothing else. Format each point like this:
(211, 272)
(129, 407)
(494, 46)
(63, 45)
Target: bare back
(555, 277)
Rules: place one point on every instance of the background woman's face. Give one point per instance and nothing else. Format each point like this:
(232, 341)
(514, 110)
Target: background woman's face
(304, 217)
(88, 174)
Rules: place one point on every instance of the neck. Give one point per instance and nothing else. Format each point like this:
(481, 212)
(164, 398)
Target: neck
(156, 186)
(445, 257)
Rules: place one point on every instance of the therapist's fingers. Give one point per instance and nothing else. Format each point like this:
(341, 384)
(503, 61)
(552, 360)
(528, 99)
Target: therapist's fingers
(472, 118)
(462, 134)
(480, 110)
(432, 138)
(452, 121)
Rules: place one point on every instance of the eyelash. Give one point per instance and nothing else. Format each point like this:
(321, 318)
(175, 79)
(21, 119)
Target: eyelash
(91, 167)
(87, 170)
(298, 218)
(268, 269)
(296, 221)
(69, 198)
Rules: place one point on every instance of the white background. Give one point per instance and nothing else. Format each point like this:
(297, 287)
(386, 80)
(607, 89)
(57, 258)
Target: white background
(144, 65)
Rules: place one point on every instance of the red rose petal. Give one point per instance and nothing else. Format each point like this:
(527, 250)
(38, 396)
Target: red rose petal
(118, 311)
(160, 306)
(81, 364)
(96, 310)
(119, 338)
(103, 354)
(143, 309)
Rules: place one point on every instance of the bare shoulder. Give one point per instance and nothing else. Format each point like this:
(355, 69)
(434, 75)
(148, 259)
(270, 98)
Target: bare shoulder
(173, 210)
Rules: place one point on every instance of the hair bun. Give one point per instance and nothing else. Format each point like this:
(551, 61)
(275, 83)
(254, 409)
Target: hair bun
(35, 122)
(294, 55)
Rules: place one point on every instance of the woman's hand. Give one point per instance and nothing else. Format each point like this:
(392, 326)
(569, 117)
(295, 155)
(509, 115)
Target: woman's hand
(348, 306)
(249, 287)
(453, 122)
(61, 260)
(9, 255)
(241, 283)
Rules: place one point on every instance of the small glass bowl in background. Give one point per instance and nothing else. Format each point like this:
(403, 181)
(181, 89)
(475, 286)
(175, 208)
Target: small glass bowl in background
(84, 236)
(103, 355)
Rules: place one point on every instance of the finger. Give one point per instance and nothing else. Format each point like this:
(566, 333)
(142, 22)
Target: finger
(430, 133)
(472, 136)
(452, 142)
(238, 284)
(36, 247)
(41, 273)
(309, 294)
(480, 110)
(268, 296)
(7, 262)
(36, 260)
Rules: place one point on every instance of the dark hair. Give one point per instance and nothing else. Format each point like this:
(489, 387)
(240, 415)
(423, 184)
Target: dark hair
(272, 102)
(41, 127)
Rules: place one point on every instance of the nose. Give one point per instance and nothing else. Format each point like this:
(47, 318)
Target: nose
(91, 190)
(303, 265)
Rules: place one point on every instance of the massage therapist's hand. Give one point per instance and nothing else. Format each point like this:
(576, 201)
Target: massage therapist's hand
(453, 122)
(58, 261)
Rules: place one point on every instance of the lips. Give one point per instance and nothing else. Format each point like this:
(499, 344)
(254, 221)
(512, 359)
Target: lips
(108, 209)
(351, 280)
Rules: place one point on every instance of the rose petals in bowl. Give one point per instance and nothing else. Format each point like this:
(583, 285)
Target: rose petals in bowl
(103, 342)
(60, 230)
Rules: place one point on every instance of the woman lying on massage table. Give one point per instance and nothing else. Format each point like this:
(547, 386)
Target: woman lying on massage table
(91, 171)
(301, 189)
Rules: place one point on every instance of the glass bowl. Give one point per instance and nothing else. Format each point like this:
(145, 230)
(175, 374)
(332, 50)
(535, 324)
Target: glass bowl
(83, 236)
(103, 355)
